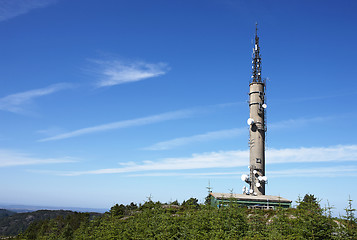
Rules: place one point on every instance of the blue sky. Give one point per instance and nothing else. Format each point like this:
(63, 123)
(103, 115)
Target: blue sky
(106, 102)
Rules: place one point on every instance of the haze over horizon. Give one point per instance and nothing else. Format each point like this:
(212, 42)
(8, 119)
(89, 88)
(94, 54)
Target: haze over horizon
(112, 102)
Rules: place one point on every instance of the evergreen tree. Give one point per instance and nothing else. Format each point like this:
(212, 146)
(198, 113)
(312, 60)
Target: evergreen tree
(310, 203)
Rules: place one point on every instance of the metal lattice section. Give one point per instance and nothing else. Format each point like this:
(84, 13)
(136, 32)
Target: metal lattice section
(256, 59)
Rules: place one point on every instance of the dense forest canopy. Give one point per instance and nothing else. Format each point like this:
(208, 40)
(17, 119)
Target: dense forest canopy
(191, 220)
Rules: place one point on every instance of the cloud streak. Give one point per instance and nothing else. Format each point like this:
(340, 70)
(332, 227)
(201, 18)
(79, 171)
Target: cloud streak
(229, 159)
(325, 172)
(229, 133)
(124, 124)
(117, 72)
(10, 158)
(15, 102)
(174, 115)
(13, 8)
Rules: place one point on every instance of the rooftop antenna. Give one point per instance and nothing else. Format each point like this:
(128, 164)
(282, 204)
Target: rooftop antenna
(209, 187)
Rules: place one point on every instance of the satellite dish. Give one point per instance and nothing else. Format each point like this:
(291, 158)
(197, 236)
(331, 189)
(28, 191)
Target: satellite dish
(255, 171)
(260, 178)
(265, 178)
(244, 177)
(251, 191)
(257, 184)
(250, 121)
(264, 106)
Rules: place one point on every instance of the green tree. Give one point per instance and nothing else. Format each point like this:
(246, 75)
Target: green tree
(208, 199)
(118, 210)
(191, 203)
(350, 219)
(310, 203)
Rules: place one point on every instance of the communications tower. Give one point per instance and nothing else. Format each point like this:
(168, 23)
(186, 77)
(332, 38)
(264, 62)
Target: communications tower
(254, 196)
(257, 125)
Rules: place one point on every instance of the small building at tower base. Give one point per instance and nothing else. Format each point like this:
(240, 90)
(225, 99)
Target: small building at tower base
(250, 201)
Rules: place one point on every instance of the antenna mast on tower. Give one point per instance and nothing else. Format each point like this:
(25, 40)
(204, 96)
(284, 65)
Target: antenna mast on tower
(256, 62)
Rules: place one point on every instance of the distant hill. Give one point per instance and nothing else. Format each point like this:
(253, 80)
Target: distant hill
(29, 208)
(15, 223)
(6, 213)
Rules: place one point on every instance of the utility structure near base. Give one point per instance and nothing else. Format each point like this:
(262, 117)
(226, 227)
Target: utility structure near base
(254, 194)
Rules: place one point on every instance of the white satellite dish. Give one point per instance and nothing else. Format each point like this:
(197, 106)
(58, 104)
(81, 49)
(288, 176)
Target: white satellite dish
(251, 191)
(260, 178)
(257, 184)
(255, 171)
(264, 106)
(265, 178)
(244, 177)
(250, 121)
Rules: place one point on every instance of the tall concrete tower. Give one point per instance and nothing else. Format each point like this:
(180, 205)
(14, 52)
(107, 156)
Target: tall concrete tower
(254, 195)
(256, 124)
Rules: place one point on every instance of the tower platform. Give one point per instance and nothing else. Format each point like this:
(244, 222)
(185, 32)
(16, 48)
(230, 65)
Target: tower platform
(251, 201)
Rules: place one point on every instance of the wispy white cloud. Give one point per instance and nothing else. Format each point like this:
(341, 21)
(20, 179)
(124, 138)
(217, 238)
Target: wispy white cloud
(314, 98)
(51, 131)
(116, 72)
(229, 133)
(298, 122)
(124, 124)
(197, 138)
(179, 114)
(12, 8)
(15, 102)
(325, 172)
(196, 161)
(236, 174)
(9, 158)
(337, 153)
(229, 159)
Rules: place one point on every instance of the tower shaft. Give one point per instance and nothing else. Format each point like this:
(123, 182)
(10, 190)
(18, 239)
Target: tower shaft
(258, 128)
(257, 136)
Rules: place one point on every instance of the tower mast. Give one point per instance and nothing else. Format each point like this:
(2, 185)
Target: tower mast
(256, 63)
(257, 123)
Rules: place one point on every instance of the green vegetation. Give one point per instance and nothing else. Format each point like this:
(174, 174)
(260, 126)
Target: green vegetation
(15, 223)
(190, 220)
(6, 213)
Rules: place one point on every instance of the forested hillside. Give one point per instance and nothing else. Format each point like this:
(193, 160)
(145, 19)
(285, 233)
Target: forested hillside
(16, 223)
(190, 220)
(6, 213)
